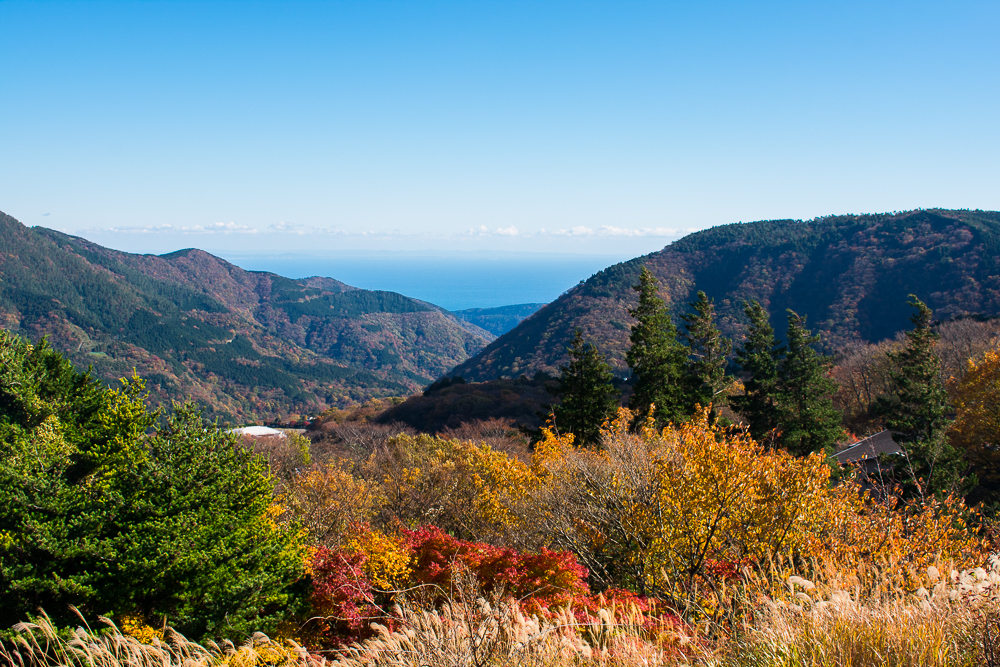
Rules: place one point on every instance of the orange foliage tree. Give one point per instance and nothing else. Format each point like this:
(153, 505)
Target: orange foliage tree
(885, 542)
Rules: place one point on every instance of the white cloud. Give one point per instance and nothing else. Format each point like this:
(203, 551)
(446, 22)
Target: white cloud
(213, 228)
(148, 229)
(481, 231)
(579, 230)
(282, 226)
(608, 230)
(224, 227)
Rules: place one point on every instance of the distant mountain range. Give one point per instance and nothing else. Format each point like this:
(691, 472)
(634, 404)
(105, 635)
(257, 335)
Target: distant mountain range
(250, 345)
(256, 346)
(849, 274)
(498, 321)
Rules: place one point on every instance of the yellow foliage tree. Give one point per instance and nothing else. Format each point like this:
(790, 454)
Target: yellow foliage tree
(500, 481)
(724, 497)
(326, 500)
(976, 430)
(651, 508)
(463, 487)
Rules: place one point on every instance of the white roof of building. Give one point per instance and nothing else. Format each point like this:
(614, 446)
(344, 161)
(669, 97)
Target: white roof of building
(258, 431)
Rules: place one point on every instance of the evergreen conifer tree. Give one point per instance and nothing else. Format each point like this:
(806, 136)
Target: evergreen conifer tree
(917, 413)
(708, 350)
(758, 357)
(99, 514)
(657, 359)
(806, 416)
(588, 394)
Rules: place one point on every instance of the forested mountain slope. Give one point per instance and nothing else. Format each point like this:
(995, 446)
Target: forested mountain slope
(849, 274)
(246, 344)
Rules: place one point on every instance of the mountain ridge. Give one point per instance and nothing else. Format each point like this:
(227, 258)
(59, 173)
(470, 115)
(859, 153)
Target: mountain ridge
(849, 274)
(249, 345)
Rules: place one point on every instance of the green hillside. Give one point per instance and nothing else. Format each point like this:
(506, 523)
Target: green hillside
(849, 274)
(248, 345)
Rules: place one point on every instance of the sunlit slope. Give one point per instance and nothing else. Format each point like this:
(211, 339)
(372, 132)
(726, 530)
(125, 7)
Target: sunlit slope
(849, 274)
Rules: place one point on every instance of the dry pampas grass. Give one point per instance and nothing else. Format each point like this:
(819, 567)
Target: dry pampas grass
(40, 644)
(469, 630)
(952, 620)
(947, 621)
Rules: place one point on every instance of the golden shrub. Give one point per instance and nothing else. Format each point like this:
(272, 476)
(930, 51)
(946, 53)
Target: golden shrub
(654, 507)
(387, 558)
(134, 626)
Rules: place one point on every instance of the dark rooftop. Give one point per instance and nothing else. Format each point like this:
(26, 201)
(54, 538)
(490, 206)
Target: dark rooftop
(869, 448)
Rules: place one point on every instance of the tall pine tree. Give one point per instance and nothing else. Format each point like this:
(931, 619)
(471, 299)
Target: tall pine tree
(708, 350)
(917, 413)
(806, 416)
(758, 358)
(656, 357)
(588, 394)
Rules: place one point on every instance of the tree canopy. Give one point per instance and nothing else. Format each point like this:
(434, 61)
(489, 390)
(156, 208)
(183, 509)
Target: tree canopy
(758, 358)
(806, 416)
(917, 412)
(587, 391)
(708, 351)
(103, 509)
(657, 359)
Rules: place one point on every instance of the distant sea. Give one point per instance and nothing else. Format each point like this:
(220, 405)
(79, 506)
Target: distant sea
(454, 283)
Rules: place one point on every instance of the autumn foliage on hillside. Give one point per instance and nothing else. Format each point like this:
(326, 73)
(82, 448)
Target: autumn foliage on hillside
(246, 345)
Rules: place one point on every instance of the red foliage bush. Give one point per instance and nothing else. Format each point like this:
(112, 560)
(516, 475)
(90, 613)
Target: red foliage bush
(549, 578)
(341, 594)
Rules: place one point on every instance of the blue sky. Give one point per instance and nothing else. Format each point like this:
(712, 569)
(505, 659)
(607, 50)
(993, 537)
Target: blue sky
(581, 127)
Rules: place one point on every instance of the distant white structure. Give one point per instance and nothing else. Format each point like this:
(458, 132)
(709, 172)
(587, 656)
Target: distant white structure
(258, 431)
